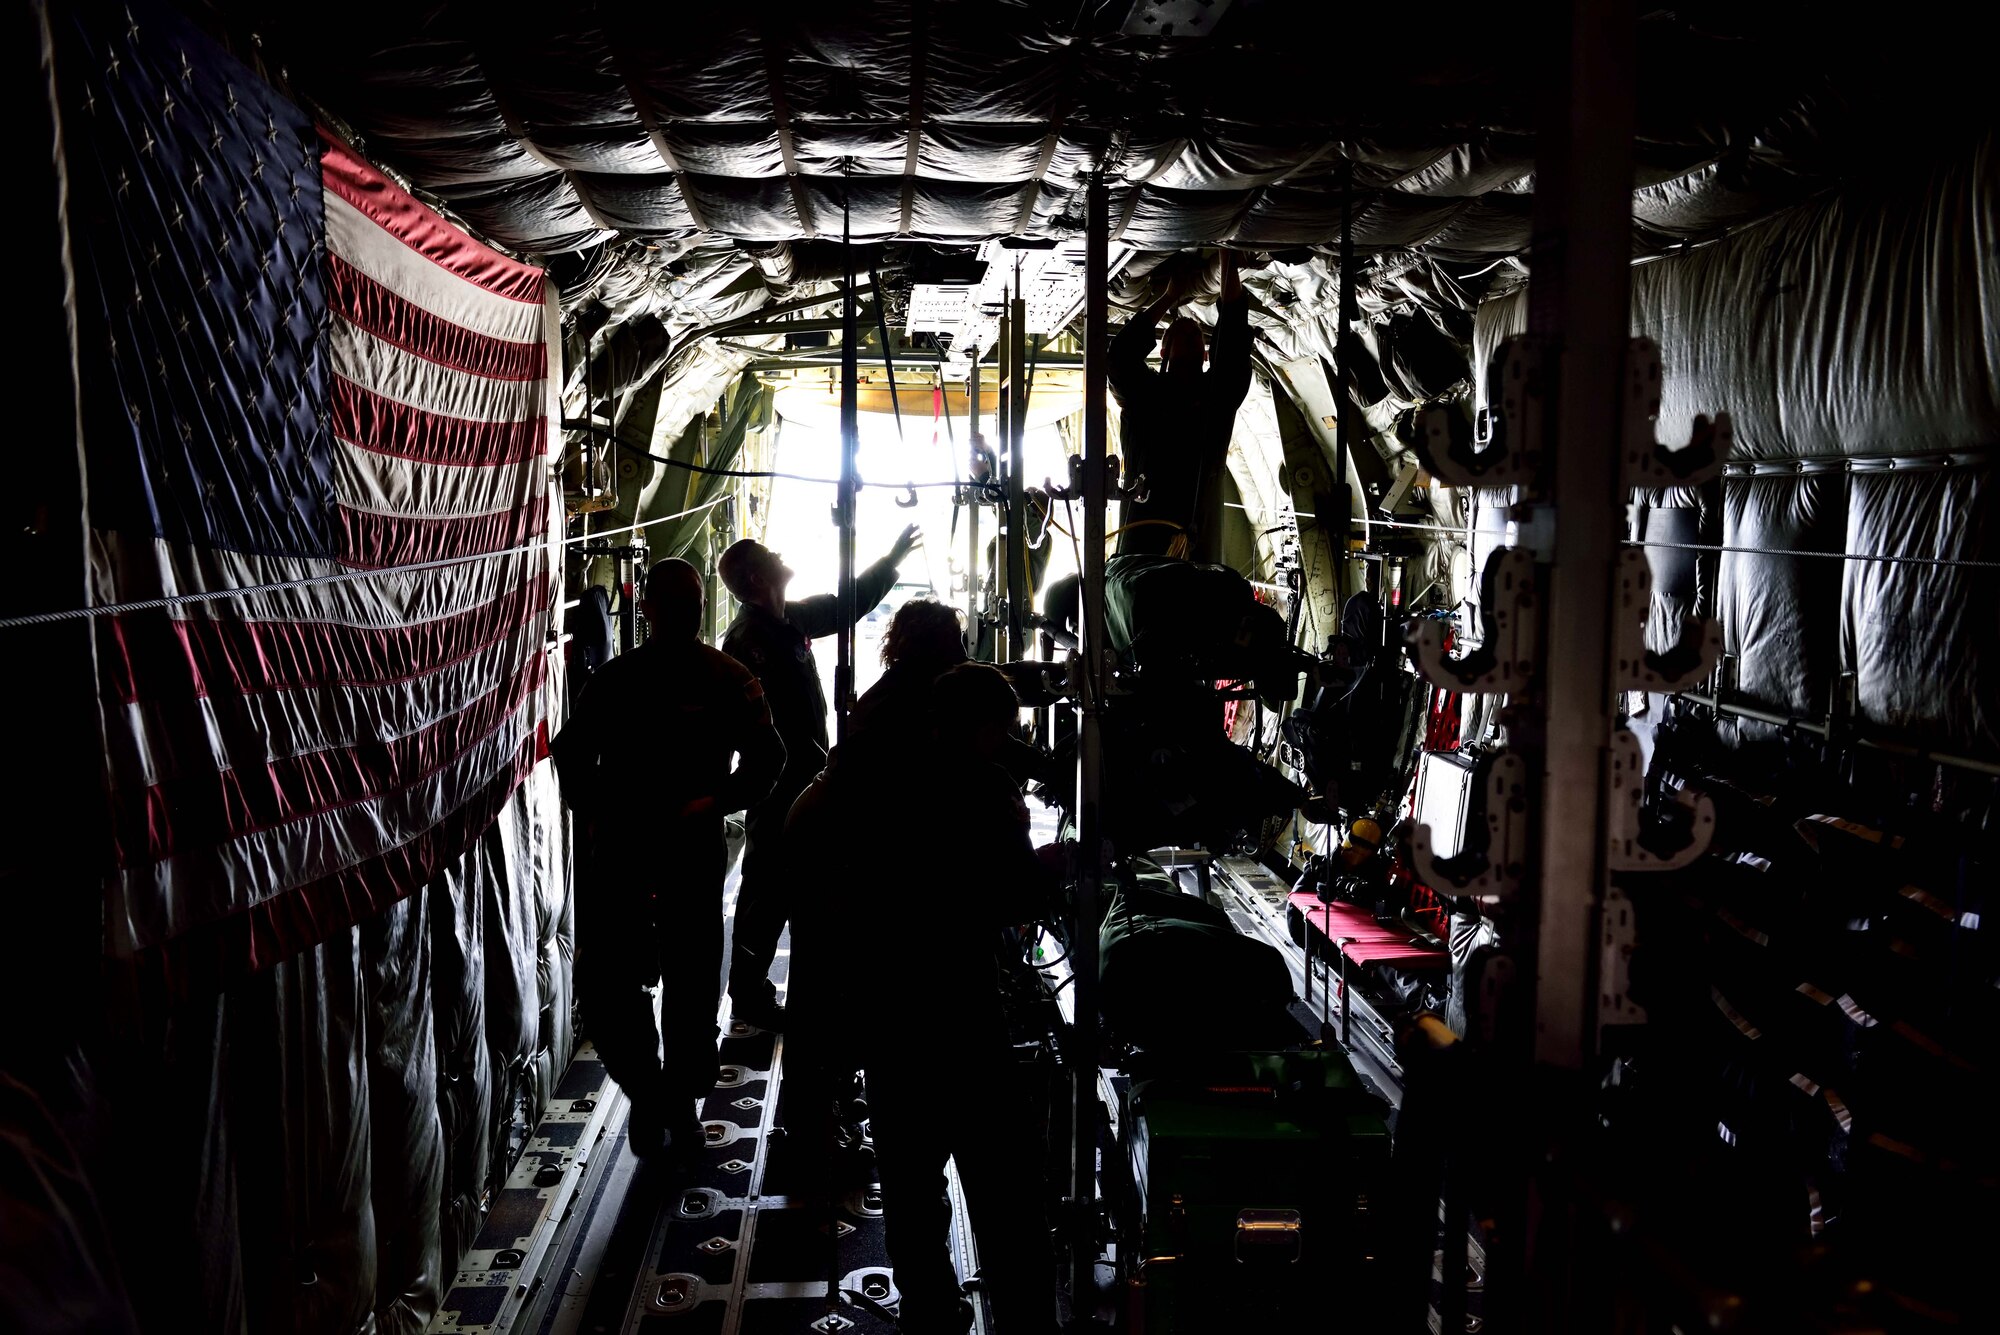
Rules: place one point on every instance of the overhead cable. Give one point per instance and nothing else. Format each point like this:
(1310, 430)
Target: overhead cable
(789, 477)
(738, 472)
(1373, 523)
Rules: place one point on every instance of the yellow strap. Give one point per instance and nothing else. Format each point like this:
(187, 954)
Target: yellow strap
(1177, 548)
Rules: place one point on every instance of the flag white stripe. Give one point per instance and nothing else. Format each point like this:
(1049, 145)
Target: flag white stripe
(387, 485)
(308, 719)
(150, 903)
(144, 748)
(361, 241)
(156, 568)
(396, 374)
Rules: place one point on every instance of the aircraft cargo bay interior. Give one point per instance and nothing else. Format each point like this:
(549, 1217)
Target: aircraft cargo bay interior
(1145, 666)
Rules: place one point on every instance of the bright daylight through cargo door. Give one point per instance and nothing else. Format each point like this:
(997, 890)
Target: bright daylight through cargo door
(801, 523)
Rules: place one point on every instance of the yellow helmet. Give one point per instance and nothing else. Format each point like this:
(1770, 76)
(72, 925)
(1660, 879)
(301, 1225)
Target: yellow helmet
(1363, 834)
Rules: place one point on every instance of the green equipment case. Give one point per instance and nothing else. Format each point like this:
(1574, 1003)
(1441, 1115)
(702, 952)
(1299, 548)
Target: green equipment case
(1258, 1180)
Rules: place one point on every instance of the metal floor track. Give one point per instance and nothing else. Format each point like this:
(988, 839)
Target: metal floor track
(733, 1252)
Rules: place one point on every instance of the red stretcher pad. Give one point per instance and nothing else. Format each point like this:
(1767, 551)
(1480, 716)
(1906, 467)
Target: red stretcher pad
(1365, 941)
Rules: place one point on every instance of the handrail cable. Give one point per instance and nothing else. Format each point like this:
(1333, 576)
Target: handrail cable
(336, 577)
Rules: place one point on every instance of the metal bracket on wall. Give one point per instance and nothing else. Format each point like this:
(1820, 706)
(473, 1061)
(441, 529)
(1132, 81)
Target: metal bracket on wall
(1505, 448)
(1626, 851)
(1618, 934)
(1488, 974)
(1684, 666)
(1504, 662)
(1648, 463)
(1491, 873)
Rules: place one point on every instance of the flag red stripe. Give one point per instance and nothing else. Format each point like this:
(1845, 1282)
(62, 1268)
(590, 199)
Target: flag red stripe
(385, 426)
(203, 808)
(399, 214)
(395, 319)
(373, 542)
(150, 655)
(298, 720)
(280, 927)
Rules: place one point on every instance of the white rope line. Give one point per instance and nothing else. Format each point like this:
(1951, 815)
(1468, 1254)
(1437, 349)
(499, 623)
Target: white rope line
(1357, 522)
(1415, 528)
(1830, 556)
(1948, 562)
(338, 577)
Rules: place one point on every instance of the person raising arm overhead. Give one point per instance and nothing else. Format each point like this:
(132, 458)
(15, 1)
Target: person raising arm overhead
(772, 636)
(1176, 422)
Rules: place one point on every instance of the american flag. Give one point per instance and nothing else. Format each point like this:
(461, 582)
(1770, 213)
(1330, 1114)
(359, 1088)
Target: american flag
(290, 368)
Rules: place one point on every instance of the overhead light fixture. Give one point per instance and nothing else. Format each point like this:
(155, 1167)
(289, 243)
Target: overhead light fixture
(1050, 274)
(1174, 18)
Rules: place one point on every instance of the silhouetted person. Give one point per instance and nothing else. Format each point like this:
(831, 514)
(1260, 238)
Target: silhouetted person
(773, 638)
(925, 639)
(891, 722)
(645, 761)
(942, 1079)
(1176, 422)
(888, 734)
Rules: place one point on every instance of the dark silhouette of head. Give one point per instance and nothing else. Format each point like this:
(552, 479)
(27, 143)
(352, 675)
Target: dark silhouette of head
(674, 599)
(924, 630)
(972, 707)
(753, 573)
(1181, 348)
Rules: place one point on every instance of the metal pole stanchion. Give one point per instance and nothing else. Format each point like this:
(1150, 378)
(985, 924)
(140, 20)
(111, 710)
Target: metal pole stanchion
(975, 589)
(1017, 496)
(850, 445)
(1003, 565)
(1547, 1274)
(1090, 763)
(1584, 299)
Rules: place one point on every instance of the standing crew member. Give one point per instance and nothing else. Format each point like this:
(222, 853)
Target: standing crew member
(645, 761)
(773, 638)
(942, 1079)
(1176, 422)
(925, 639)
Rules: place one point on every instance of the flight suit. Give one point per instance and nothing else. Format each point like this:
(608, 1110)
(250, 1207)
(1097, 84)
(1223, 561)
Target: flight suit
(1176, 429)
(779, 651)
(943, 1083)
(646, 761)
